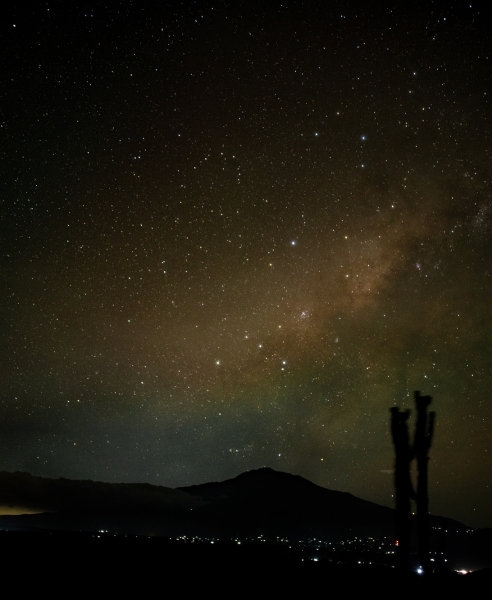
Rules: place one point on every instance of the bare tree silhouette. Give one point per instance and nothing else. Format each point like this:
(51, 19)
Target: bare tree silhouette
(404, 491)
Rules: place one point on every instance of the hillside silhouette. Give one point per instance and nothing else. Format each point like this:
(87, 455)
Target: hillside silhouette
(260, 506)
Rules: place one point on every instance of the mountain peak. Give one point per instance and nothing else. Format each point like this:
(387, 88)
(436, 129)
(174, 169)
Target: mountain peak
(263, 484)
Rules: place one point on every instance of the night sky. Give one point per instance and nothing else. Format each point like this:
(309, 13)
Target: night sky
(234, 234)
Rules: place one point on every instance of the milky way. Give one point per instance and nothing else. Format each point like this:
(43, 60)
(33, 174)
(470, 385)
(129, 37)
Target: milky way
(234, 236)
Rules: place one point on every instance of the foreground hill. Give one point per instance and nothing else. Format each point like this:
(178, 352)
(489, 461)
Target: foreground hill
(67, 505)
(264, 506)
(49, 495)
(271, 503)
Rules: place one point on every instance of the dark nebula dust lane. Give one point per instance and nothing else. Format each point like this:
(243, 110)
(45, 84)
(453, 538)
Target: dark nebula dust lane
(234, 236)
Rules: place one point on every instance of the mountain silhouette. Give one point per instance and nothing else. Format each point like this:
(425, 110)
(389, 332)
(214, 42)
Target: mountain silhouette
(259, 505)
(276, 504)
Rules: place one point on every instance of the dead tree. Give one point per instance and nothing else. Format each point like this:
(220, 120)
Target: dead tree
(404, 492)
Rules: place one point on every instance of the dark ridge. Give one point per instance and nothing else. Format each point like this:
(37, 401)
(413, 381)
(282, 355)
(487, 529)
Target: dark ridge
(38, 493)
(260, 506)
(258, 482)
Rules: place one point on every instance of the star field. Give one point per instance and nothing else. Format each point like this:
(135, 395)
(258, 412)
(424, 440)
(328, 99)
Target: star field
(234, 235)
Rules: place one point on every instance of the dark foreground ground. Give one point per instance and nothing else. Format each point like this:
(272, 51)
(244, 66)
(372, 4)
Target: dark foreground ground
(70, 562)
